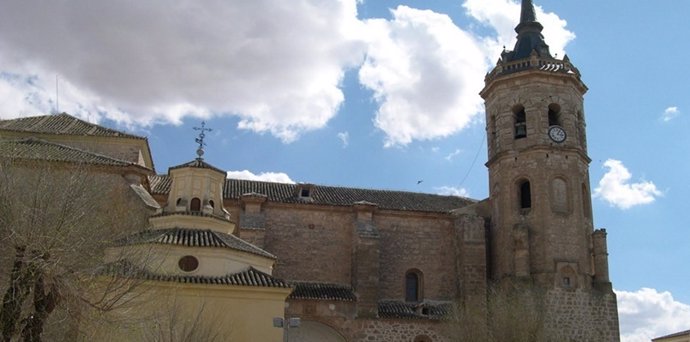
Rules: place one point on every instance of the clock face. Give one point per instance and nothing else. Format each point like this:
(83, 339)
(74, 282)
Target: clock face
(557, 134)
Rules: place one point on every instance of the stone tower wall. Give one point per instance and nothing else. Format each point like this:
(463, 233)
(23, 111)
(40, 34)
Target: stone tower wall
(582, 316)
(555, 231)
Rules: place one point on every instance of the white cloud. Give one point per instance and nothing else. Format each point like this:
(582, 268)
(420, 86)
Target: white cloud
(450, 156)
(616, 189)
(647, 313)
(344, 138)
(425, 73)
(670, 113)
(276, 177)
(452, 191)
(278, 66)
(502, 16)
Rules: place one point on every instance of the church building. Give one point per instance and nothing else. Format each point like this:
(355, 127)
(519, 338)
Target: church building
(379, 265)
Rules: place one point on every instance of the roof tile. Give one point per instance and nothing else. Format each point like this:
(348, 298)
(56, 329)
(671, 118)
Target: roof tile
(191, 237)
(250, 277)
(37, 149)
(330, 195)
(61, 124)
(322, 291)
(425, 310)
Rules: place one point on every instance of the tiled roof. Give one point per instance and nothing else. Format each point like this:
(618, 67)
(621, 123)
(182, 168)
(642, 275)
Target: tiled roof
(36, 149)
(191, 237)
(330, 195)
(64, 124)
(404, 310)
(144, 195)
(250, 277)
(199, 164)
(322, 291)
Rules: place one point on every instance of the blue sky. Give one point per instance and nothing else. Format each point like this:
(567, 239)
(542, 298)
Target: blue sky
(380, 94)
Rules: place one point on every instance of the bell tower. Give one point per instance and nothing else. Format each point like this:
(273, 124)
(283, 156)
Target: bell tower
(542, 229)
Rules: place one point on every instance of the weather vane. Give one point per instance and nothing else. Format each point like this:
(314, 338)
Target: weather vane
(200, 140)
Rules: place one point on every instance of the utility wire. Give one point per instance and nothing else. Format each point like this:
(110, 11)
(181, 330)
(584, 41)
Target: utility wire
(476, 155)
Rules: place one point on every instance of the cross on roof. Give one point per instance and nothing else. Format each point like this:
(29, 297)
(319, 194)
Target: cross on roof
(200, 140)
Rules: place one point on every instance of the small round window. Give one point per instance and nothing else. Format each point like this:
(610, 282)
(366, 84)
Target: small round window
(188, 263)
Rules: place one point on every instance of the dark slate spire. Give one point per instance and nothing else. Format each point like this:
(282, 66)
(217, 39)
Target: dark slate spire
(527, 15)
(529, 37)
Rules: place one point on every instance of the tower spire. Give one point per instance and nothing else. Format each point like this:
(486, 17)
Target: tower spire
(528, 15)
(529, 37)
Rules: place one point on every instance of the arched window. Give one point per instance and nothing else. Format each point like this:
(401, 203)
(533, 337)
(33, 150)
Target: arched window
(211, 204)
(520, 122)
(413, 286)
(195, 205)
(554, 115)
(525, 195)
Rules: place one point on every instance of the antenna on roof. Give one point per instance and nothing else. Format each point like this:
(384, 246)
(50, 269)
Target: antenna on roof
(57, 97)
(200, 139)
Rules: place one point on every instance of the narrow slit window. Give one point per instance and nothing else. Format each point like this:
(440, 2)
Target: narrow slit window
(525, 195)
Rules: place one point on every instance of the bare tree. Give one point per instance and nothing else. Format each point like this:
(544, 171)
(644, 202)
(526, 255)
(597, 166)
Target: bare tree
(172, 326)
(55, 222)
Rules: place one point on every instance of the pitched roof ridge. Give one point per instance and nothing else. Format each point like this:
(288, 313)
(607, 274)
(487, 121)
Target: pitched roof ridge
(197, 163)
(37, 126)
(72, 148)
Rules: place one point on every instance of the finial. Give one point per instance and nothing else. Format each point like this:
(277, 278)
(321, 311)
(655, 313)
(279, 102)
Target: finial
(200, 139)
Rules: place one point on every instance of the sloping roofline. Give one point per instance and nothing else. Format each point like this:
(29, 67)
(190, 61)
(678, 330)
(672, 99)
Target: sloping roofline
(64, 124)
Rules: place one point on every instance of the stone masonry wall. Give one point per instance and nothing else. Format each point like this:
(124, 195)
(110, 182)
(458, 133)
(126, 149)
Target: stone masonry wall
(398, 331)
(582, 316)
(423, 243)
(311, 245)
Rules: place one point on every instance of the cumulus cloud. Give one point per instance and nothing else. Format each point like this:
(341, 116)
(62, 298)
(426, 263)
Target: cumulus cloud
(501, 16)
(425, 73)
(276, 177)
(452, 191)
(277, 66)
(670, 113)
(648, 313)
(344, 138)
(616, 189)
